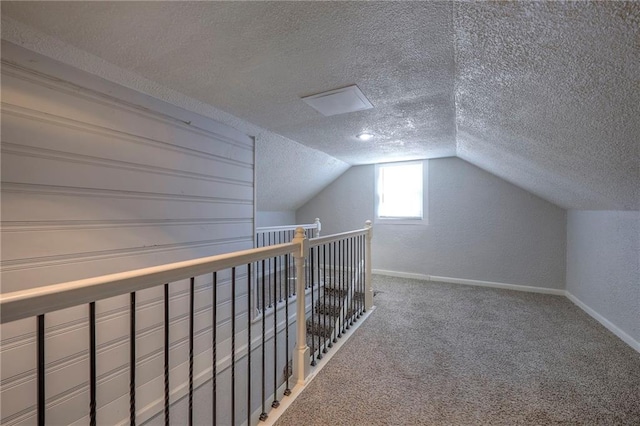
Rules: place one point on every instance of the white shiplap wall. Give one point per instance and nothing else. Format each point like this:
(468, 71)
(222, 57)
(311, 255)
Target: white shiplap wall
(96, 179)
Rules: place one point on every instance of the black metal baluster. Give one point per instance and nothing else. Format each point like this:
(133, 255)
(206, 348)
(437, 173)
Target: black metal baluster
(360, 276)
(354, 279)
(331, 293)
(325, 294)
(233, 346)
(166, 355)
(318, 286)
(248, 344)
(348, 301)
(364, 274)
(336, 290)
(336, 287)
(341, 288)
(280, 260)
(357, 276)
(287, 263)
(287, 390)
(360, 262)
(313, 316)
(275, 403)
(362, 269)
(350, 284)
(92, 364)
(270, 274)
(41, 368)
(347, 281)
(354, 282)
(132, 358)
(263, 415)
(191, 321)
(214, 344)
(339, 292)
(274, 273)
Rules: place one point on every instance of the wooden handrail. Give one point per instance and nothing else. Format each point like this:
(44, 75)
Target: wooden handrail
(285, 227)
(314, 242)
(41, 300)
(315, 225)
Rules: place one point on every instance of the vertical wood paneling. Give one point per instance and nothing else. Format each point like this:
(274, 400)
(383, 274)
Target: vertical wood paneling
(93, 184)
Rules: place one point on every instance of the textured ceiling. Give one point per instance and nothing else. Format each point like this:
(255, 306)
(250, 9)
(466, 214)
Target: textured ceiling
(548, 97)
(543, 94)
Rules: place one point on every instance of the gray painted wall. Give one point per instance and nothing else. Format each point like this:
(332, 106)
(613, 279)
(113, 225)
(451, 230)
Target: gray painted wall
(480, 227)
(275, 218)
(97, 179)
(603, 272)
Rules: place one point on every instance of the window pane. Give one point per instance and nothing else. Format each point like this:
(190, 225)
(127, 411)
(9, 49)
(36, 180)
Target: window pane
(400, 191)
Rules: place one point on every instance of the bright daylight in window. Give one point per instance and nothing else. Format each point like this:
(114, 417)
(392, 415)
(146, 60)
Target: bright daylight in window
(400, 194)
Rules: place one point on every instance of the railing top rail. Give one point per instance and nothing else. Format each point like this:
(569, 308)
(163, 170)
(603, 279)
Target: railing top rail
(41, 300)
(313, 242)
(286, 227)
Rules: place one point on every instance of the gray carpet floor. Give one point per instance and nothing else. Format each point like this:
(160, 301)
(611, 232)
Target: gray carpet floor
(447, 354)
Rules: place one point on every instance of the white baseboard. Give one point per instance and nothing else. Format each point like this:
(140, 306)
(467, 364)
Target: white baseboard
(517, 287)
(464, 281)
(401, 274)
(545, 290)
(605, 322)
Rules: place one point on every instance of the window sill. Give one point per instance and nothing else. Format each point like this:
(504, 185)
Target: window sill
(415, 222)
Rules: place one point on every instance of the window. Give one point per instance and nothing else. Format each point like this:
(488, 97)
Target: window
(401, 193)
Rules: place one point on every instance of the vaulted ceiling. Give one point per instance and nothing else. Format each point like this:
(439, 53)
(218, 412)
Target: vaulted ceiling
(545, 95)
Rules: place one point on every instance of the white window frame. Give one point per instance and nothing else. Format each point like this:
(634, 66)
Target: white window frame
(401, 220)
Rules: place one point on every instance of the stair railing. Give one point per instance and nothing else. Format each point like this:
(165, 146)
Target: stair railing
(230, 272)
(271, 235)
(337, 264)
(207, 278)
(267, 235)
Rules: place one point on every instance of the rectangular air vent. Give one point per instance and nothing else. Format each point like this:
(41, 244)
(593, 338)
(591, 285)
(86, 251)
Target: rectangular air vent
(339, 101)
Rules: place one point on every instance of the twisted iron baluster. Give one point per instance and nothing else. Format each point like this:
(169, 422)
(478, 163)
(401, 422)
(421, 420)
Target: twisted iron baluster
(92, 363)
(287, 390)
(132, 360)
(263, 415)
(214, 344)
(191, 309)
(166, 355)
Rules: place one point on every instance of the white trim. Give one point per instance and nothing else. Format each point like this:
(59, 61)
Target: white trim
(401, 274)
(285, 403)
(635, 344)
(505, 286)
(264, 229)
(517, 287)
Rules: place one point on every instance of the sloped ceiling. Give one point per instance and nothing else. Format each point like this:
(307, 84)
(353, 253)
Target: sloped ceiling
(543, 94)
(548, 97)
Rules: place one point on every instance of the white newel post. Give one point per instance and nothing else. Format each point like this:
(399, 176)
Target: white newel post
(368, 294)
(301, 363)
(318, 227)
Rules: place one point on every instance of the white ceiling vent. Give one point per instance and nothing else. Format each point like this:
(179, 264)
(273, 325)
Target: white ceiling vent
(339, 101)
